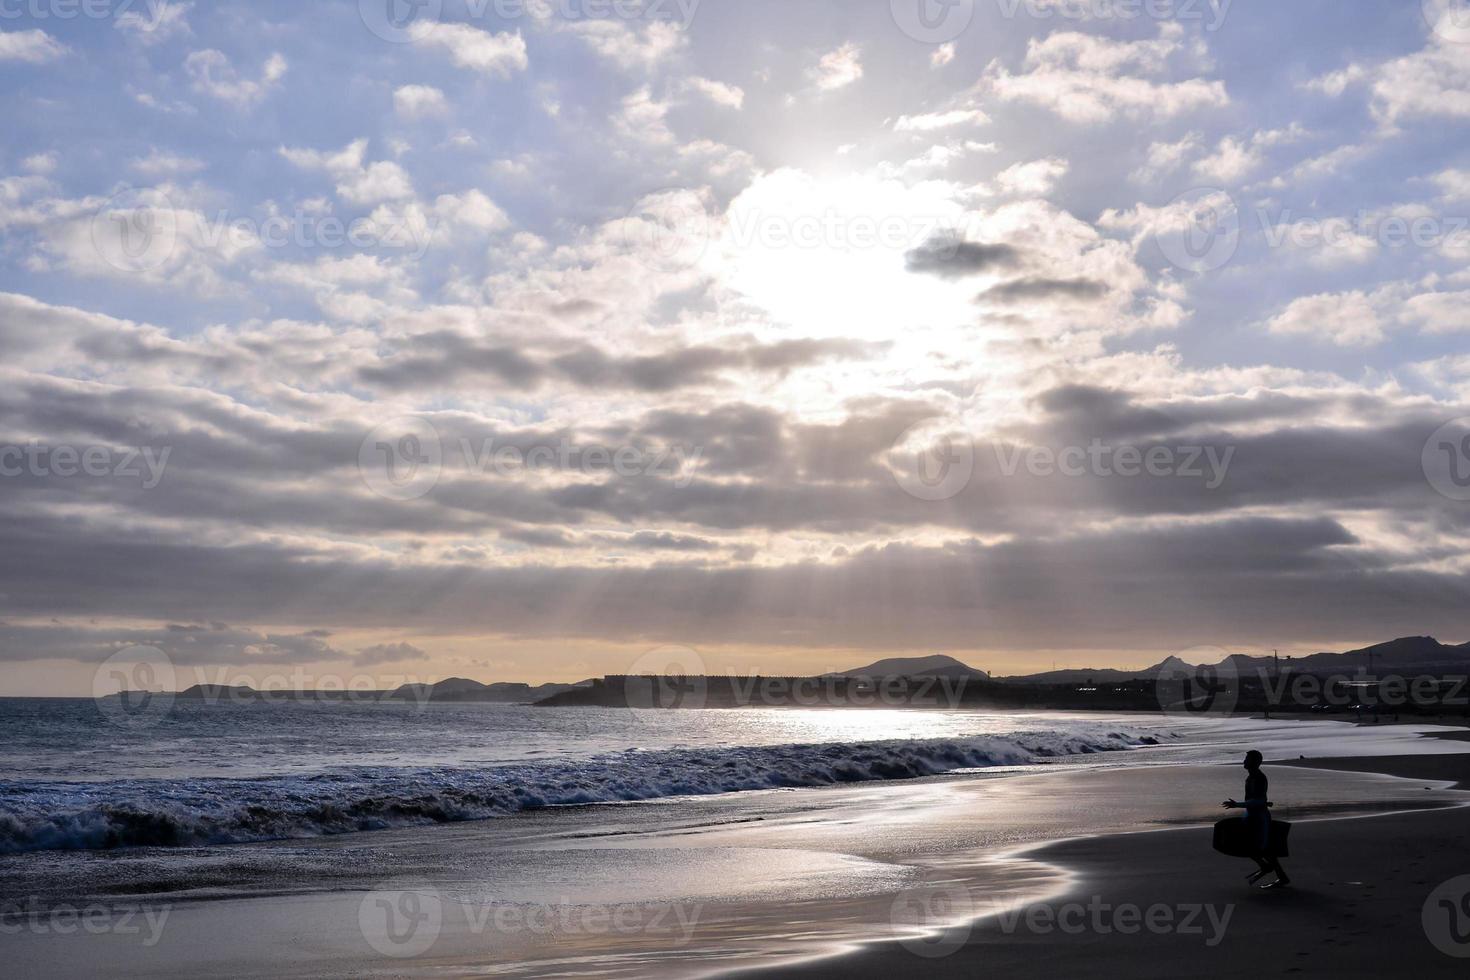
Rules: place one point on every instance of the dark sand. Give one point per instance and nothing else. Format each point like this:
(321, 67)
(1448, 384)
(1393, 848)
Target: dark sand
(1355, 907)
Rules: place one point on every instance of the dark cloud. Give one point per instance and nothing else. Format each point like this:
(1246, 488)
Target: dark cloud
(1266, 580)
(950, 258)
(212, 644)
(662, 541)
(1036, 288)
(445, 360)
(389, 653)
(538, 537)
(265, 519)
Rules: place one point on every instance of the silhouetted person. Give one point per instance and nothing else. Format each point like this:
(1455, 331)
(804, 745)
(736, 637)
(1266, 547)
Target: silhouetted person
(1257, 807)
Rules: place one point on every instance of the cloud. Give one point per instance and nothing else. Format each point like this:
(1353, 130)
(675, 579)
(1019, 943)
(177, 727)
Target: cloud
(1454, 184)
(661, 541)
(1236, 158)
(1334, 83)
(1090, 79)
(389, 653)
(215, 76)
(187, 645)
(770, 316)
(1034, 179)
(628, 46)
(937, 158)
(181, 246)
(948, 258)
(31, 46)
(40, 163)
(1163, 159)
(159, 22)
(161, 163)
(931, 121)
(418, 101)
(1365, 317)
(358, 182)
(501, 55)
(441, 358)
(730, 96)
(838, 69)
(1033, 289)
(1433, 82)
(643, 118)
(1147, 221)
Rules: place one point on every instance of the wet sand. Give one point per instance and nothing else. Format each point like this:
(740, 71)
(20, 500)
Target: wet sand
(1356, 908)
(726, 883)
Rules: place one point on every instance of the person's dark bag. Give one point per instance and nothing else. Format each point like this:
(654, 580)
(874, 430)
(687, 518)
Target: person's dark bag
(1232, 837)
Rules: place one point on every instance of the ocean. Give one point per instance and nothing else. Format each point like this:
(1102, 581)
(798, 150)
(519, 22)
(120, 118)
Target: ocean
(267, 838)
(230, 772)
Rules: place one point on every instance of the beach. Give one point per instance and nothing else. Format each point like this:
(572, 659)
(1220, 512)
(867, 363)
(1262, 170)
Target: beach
(1354, 908)
(1032, 868)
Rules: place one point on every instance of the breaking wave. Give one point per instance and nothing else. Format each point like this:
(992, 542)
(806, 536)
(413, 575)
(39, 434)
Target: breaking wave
(181, 812)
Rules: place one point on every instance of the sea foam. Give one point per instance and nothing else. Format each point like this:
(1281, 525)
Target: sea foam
(181, 812)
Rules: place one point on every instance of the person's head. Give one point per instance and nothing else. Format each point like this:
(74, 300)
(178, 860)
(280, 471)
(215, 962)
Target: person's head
(1253, 760)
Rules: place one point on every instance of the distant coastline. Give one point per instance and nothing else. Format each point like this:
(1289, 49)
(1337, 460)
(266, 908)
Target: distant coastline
(1416, 676)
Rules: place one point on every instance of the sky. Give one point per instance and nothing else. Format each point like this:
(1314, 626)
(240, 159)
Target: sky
(361, 342)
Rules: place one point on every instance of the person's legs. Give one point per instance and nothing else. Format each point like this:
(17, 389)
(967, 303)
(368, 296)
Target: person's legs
(1282, 878)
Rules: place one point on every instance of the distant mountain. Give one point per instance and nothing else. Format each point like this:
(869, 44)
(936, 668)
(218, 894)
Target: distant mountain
(453, 690)
(1410, 653)
(1100, 675)
(935, 666)
(458, 689)
(220, 692)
